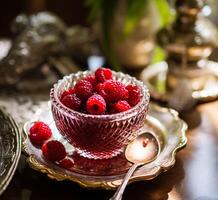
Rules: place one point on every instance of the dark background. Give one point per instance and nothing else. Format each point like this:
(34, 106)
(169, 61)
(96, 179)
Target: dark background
(71, 11)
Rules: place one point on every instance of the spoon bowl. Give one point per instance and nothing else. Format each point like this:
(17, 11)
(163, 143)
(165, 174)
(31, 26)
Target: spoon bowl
(144, 149)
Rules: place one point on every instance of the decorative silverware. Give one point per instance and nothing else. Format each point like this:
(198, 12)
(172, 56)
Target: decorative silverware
(141, 151)
(10, 149)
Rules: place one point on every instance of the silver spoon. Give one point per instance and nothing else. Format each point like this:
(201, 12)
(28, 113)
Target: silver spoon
(140, 151)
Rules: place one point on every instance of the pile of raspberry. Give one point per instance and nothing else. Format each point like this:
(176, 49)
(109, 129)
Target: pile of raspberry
(100, 94)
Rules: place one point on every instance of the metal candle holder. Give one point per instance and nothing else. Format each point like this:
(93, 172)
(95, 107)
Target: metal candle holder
(188, 43)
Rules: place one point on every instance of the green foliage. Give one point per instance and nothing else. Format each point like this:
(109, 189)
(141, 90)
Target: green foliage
(135, 9)
(106, 9)
(96, 7)
(107, 20)
(165, 13)
(158, 55)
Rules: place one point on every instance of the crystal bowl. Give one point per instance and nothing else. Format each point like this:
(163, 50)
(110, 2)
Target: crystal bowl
(98, 136)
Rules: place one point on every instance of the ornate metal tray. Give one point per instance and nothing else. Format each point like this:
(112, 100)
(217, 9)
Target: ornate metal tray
(163, 122)
(154, 76)
(10, 149)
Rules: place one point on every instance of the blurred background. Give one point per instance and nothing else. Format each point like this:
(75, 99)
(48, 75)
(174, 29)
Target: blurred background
(123, 34)
(71, 11)
(77, 12)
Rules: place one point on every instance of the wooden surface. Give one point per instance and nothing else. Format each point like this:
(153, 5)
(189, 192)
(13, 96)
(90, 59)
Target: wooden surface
(194, 176)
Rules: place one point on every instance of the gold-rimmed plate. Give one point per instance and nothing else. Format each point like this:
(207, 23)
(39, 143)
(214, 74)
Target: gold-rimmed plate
(164, 123)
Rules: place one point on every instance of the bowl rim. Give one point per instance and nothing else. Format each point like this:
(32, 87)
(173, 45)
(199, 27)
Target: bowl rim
(144, 102)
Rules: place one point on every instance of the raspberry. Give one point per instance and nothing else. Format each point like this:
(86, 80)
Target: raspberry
(96, 105)
(145, 142)
(72, 101)
(66, 163)
(134, 94)
(113, 91)
(121, 106)
(91, 79)
(54, 150)
(83, 89)
(99, 87)
(103, 74)
(67, 92)
(39, 133)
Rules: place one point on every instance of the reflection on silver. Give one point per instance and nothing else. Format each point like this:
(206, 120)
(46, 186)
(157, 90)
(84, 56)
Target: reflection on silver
(40, 36)
(155, 78)
(1, 155)
(10, 149)
(5, 45)
(138, 152)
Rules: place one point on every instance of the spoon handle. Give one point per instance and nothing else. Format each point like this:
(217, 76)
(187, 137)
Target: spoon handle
(119, 193)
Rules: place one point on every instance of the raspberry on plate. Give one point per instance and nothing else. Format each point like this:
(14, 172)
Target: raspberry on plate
(66, 163)
(54, 151)
(67, 92)
(39, 133)
(121, 106)
(113, 91)
(72, 101)
(96, 105)
(134, 94)
(103, 74)
(83, 89)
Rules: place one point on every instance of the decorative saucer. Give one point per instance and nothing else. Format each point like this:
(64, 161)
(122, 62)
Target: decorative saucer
(154, 76)
(164, 123)
(10, 149)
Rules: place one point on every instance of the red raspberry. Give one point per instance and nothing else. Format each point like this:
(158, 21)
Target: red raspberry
(54, 150)
(96, 105)
(134, 94)
(113, 91)
(67, 92)
(91, 79)
(121, 106)
(103, 74)
(145, 142)
(83, 89)
(72, 101)
(99, 87)
(39, 133)
(66, 163)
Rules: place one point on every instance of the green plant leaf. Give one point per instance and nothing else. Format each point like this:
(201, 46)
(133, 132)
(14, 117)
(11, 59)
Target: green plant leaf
(109, 8)
(134, 11)
(106, 10)
(95, 8)
(166, 15)
(158, 55)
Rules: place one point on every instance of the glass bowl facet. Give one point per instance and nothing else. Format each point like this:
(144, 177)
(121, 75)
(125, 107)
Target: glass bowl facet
(98, 136)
